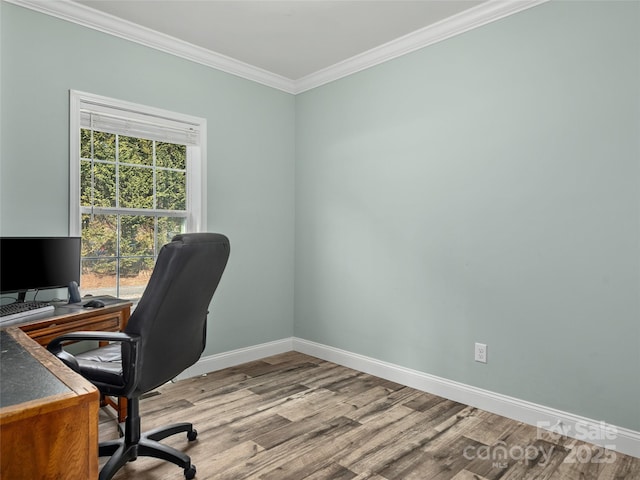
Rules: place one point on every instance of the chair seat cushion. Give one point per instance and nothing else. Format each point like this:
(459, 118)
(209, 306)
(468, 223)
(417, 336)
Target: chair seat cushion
(102, 364)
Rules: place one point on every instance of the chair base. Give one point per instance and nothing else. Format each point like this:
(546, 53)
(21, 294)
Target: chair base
(148, 445)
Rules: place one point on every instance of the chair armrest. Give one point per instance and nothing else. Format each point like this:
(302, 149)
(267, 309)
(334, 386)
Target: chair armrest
(56, 344)
(129, 346)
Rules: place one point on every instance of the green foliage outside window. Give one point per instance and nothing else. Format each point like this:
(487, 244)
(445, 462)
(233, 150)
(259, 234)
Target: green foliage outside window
(117, 171)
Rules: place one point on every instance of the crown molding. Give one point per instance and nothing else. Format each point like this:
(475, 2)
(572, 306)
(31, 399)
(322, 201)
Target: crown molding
(106, 23)
(475, 17)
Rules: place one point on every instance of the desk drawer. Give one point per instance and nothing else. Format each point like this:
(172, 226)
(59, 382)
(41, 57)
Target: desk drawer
(44, 334)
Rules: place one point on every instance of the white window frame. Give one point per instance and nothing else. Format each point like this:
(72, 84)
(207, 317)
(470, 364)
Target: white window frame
(196, 155)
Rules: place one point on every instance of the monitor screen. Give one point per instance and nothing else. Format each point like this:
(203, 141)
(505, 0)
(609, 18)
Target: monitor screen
(37, 263)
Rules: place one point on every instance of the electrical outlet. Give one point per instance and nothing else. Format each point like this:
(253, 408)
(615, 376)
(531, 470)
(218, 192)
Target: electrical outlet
(481, 353)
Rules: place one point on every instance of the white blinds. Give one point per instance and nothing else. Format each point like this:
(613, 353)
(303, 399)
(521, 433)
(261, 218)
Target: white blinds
(134, 124)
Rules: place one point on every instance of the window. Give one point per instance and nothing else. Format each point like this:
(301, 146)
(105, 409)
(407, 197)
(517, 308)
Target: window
(137, 179)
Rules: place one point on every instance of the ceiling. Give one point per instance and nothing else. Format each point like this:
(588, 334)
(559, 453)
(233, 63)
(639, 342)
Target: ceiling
(292, 38)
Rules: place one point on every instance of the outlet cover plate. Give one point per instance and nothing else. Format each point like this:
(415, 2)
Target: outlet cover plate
(481, 353)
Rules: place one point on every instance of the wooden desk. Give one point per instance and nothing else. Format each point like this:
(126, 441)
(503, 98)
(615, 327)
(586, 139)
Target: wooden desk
(73, 318)
(48, 414)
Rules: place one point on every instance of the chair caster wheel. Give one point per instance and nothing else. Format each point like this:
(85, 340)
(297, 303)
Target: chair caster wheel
(190, 473)
(192, 435)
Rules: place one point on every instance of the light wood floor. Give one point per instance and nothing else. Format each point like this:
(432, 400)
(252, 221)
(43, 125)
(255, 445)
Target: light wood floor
(293, 417)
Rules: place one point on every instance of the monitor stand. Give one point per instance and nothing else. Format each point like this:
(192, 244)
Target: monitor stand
(74, 293)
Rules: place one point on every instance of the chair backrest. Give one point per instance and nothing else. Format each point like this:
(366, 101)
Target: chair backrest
(171, 317)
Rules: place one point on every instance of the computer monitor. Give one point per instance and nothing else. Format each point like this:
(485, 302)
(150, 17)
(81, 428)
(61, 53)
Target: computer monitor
(38, 263)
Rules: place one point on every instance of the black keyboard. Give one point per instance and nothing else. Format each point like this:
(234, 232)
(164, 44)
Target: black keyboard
(15, 310)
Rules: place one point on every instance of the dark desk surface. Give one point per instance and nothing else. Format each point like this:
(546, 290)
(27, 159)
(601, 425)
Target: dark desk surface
(23, 378)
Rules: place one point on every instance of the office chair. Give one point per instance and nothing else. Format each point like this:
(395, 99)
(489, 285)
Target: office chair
(165, 334)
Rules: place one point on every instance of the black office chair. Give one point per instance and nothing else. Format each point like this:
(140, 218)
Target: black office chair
(165, 334)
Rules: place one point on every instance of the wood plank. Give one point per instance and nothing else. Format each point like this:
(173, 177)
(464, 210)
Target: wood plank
(333, 471)
(489, 428)
(467, 475)
(550, 458)
(441, 458)
(241, 454)
(293, 417)
(308, 403)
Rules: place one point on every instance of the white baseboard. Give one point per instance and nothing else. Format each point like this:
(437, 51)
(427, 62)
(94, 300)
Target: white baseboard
(211, 363)
(616, 438)
(620, 439)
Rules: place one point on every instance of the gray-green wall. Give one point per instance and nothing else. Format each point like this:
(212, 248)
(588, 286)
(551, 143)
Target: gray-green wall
(484, 189)
(250, 150)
